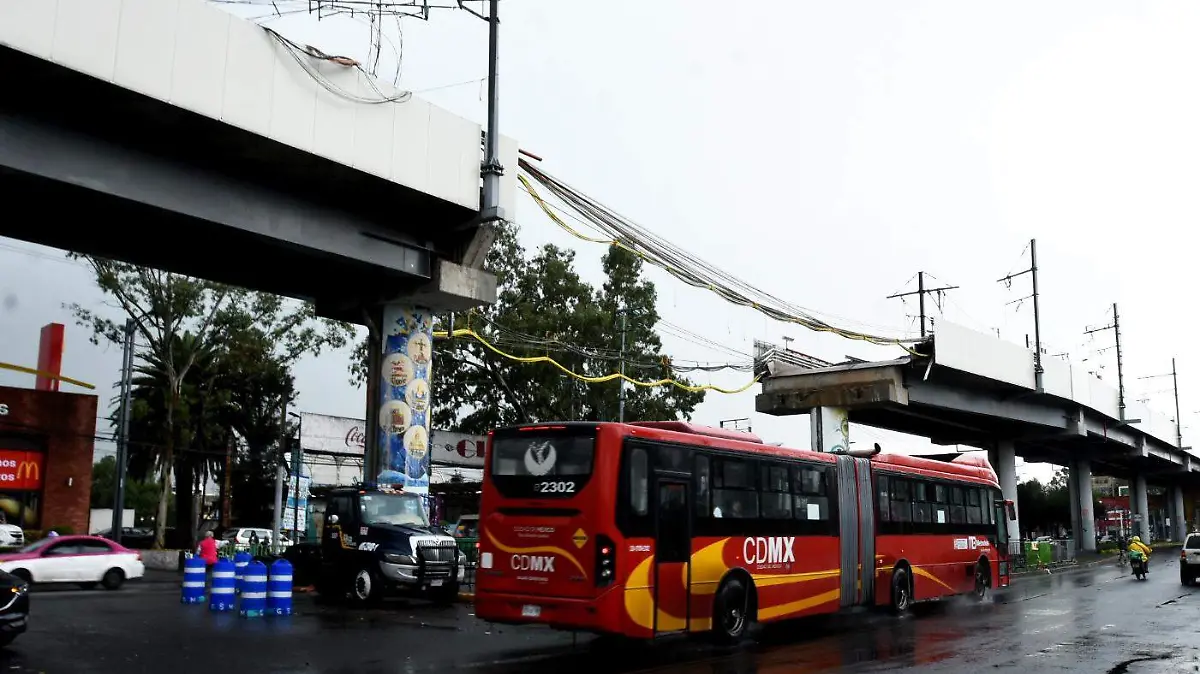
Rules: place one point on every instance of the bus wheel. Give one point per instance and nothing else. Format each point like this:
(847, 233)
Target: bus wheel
(901, 591)
(366, 586)
(731, 611)
(982, 582)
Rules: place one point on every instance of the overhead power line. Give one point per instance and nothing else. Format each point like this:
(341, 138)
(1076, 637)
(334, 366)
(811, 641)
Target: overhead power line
(677, 262)
(588, 379)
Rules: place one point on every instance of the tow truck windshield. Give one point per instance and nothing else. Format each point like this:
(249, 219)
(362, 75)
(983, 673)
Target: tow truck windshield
(396, 509)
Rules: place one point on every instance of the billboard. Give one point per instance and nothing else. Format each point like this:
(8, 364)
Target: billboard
(345, 437)
(325, 434)
(458, 449)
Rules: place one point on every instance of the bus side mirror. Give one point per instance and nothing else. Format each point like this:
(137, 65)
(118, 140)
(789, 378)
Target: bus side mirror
(1011, 509)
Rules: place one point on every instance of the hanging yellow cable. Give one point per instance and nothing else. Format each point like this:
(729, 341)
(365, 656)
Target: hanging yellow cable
(546, 208)
(47, 375)
(442, 334)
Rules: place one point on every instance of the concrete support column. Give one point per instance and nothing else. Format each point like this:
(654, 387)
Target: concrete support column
(830, 427)
(1140, 506)
(1073, 499)
(1179, 527)
(398, 400)
(1005, 464)
(1083, 506)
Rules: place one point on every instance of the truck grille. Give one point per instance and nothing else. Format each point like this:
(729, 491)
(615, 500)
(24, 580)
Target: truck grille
(438, 553)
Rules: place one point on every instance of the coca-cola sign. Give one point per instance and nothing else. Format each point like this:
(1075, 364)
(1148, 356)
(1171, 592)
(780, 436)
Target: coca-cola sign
(325, 434)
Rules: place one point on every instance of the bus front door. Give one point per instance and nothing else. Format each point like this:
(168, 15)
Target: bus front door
(673, 549)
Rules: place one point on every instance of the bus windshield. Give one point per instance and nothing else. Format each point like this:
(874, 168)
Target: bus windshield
(396, 509)
(531, 455)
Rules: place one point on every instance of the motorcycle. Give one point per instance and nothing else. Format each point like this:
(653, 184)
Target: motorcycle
(1137, 563)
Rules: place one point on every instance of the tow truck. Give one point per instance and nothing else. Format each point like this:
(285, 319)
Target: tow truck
(377, 540)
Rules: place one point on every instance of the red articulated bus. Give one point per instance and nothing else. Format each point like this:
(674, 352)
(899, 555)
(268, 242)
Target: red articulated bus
(655, 528)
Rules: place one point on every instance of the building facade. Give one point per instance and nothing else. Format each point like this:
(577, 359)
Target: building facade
(47, 439)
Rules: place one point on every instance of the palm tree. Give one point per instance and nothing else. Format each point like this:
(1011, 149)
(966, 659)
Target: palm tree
(176, 425)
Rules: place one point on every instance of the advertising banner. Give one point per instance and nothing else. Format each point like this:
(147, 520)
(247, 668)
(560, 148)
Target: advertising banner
(458, 449)
(20, 471)
(325, 434)
(404, 398)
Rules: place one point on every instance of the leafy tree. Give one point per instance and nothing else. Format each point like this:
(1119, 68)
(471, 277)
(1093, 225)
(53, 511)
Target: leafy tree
(1044, 507)
(183, 326)
(544, 308)
(140, 495)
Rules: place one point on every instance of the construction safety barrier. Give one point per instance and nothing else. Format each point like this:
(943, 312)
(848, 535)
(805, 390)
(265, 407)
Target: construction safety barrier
(279, 588)
(224, 581)
(254, 591)
(194, 580)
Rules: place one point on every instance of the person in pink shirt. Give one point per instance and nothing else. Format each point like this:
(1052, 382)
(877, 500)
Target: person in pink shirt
(208, 552)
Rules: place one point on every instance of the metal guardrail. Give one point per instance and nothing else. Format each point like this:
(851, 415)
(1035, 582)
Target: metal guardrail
(1034, 555)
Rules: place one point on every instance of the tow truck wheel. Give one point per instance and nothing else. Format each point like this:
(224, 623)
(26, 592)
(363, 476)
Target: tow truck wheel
(365, 586)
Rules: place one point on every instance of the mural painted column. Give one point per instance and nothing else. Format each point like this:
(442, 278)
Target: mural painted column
(404, 401)
(830, 429)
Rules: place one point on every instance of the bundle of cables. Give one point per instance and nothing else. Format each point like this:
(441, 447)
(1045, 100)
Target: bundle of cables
(679, 263)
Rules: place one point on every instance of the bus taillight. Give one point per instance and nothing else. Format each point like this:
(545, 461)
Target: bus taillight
(606, 561)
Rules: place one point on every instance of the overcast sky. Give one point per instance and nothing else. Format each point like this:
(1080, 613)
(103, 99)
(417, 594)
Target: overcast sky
(825, 152)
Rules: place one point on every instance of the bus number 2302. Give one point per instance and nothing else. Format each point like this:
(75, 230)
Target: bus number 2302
(554, 487)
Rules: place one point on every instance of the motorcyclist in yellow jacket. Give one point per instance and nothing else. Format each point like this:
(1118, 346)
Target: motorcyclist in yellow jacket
(1136, 545)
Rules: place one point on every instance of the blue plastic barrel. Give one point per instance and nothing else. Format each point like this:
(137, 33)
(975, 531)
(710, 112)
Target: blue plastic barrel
(240, 560)
(224, 580)
(193, 581)
(279, 588)
(254, 590)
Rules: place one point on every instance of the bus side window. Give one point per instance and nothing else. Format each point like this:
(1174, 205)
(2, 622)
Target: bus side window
(901, 503)
(958, 511)
(941, 513)
(811, 501)
(703, 509)
(884, 501)
(776, 493)
(985, 502)
(922, 510)
(974, 511)
(639, 474)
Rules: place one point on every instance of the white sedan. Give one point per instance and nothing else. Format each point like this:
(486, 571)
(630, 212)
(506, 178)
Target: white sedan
(85, 560)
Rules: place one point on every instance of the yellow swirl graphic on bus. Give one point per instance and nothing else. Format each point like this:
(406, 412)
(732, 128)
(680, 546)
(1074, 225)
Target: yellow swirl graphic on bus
(541, 548)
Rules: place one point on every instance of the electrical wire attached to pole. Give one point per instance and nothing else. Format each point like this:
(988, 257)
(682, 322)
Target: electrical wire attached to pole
(684, 266)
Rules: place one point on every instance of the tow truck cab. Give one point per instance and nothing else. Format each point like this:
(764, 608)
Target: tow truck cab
(378, 540)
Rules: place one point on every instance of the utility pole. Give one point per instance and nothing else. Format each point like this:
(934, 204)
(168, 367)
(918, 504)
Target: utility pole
(279, 472)
(297, 465)
(489, 211)
(621, 381)
(1175, 384)
(123, 437)
(1115, 326)
(1037, 314)
(227, 487)
(921, 292)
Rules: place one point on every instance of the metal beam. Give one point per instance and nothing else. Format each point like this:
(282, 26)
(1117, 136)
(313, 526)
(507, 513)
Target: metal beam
(959, 400)
(82, 161)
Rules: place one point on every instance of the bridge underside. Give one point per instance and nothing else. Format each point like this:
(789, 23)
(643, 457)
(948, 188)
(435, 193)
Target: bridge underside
(96, 168)
(952, 407)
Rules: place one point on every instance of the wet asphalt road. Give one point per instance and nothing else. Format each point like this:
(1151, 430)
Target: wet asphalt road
(1094, 621)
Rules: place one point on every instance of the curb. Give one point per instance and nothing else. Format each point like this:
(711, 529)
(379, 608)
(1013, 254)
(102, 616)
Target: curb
(466, 597)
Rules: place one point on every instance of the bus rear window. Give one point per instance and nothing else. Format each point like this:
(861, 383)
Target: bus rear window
(542, 456)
